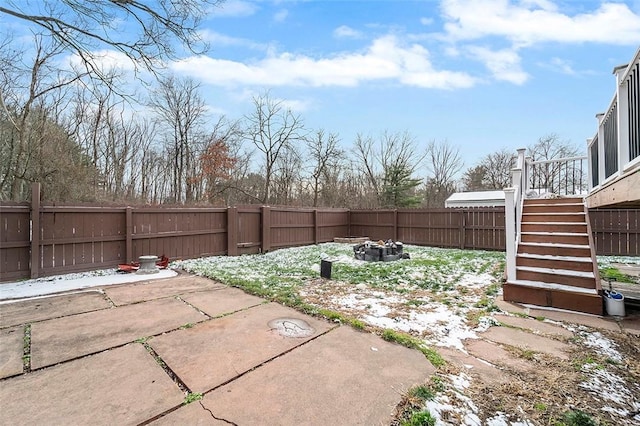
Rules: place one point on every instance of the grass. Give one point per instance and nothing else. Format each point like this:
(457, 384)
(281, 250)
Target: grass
(411, 342)
(576, 418)
(421, 418)
(610, 273)
(191, 397)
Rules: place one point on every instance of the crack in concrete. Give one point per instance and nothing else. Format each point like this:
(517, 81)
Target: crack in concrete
(176, 379)
(217, 418)
(26, 349)
(194, 307)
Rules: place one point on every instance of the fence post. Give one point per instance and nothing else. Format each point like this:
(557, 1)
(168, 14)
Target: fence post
(266, 228)
(315, 226)
(35, 230)
(510, 232)
(463, 225)
(395, 225)
(128, 223)
(232, 231)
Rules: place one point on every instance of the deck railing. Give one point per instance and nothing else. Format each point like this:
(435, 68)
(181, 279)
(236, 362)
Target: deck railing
(561, 176)
(615, 148)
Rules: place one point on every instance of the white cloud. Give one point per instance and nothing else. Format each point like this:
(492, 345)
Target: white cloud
(503, 64)
(344, 31)
(221, 40)
(281, 15)
(107, 60)
(534, 21)
(234, 8)
(561, 66)
(426, 21)
(385, 59)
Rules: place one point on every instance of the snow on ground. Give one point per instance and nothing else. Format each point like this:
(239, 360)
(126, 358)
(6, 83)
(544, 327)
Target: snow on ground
(76, 281)
(442, 296)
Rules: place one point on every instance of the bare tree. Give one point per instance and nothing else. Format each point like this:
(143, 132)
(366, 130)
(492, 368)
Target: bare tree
(388, 165)
(324, 155)
(85, 27)
(181, 112)
(31, 101)
(560, 177)
(443, 163)
(493, 171)
(272, 129)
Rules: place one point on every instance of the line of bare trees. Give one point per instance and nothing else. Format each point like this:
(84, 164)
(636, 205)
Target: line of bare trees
(70, 128)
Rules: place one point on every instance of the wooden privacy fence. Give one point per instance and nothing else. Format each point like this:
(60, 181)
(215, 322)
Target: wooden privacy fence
(616, 232)
(76, 238)
(475, 228)
(73, 239)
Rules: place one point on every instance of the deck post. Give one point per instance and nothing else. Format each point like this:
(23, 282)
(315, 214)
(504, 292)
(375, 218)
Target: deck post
(510, 231)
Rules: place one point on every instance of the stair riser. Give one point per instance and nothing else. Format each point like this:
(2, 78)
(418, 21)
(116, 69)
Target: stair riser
(558, 279)
(590, 304)
(565, 217)
(545, 227)
(555, 264)
(557, 208)
(555, 238)
(555, 251)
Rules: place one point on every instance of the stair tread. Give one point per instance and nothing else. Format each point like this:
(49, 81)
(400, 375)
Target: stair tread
(585, 259)
(556, 271)
(582, 234)
(555, 223)
(552, 213)
(562, 245)
(554, 286)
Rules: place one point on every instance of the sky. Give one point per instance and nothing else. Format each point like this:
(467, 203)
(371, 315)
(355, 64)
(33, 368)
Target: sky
(480, 74)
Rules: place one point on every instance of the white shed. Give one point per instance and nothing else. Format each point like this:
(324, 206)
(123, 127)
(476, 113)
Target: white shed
(475, 199)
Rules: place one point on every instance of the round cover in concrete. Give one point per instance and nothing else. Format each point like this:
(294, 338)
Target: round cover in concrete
(291, 327)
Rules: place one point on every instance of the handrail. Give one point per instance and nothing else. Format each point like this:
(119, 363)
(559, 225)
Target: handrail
(559, 160)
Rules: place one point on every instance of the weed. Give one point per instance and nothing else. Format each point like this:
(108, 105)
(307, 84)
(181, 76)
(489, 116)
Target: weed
(187, 325)
(610, 273)
(422, 393)
(192, 396)
(421, 418)
(527, 354)
(487, 304)
(415, 302)
(540, 318)
(142, 339)
(577, 418)
(539, 406)
(492, 290)
(520, 314)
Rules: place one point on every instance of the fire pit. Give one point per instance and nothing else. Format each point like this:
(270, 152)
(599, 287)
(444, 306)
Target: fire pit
(380, 251)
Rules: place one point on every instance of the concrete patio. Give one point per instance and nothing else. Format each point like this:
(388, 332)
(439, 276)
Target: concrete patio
(129, 354)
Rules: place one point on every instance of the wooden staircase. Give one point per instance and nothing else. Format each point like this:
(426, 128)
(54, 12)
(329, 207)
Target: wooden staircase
(555, 260)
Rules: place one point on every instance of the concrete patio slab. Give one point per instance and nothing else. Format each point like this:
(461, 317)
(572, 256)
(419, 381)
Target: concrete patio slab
(537, 327)
(47, 307)
(61, 339)
(344, 377)
(11, 351)
(594, 321)
(209, 354)
(631, 325)
(116, 387)
(157, 289)
(477, 368)
(194, 414)
(222, 302)
(495, 354)
(527, 341)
